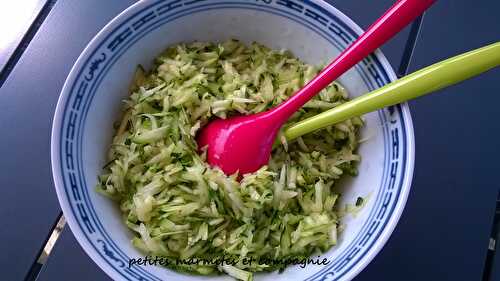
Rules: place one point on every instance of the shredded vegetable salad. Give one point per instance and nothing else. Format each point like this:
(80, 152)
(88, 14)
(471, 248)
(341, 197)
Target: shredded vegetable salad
(179, 207)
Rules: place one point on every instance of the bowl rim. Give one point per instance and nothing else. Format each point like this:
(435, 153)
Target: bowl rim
(86, 53)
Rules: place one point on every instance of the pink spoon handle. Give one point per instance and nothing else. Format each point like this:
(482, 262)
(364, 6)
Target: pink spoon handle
(396, 18)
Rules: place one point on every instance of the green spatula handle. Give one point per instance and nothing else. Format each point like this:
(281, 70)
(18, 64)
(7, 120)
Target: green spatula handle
(424, 81)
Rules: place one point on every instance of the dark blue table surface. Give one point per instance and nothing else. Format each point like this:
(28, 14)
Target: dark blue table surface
(444, 232)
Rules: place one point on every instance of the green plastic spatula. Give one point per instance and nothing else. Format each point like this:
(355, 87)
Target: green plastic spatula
(424, 81)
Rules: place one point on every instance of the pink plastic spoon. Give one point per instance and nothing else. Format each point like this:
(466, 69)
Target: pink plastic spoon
(243, 143)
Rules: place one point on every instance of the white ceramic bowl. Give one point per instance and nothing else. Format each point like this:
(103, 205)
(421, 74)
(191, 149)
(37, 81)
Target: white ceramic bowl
(314, 31)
